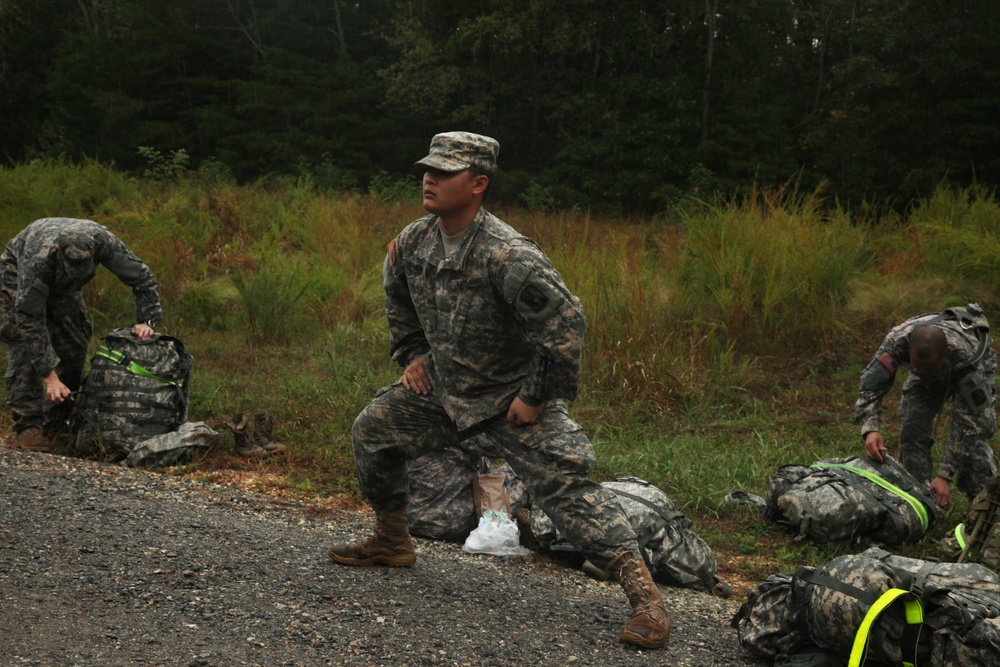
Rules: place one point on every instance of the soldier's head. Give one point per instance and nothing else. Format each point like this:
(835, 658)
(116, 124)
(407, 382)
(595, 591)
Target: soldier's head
(452, 153)
(75, 248)
(928, 350)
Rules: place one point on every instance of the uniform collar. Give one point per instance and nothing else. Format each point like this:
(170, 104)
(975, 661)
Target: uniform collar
(431, 249)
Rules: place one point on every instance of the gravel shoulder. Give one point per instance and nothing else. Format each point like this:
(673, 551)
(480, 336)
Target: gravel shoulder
(105, 566)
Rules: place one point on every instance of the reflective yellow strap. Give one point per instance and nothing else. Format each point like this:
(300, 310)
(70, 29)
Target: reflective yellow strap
(960, 535)
(914, 615)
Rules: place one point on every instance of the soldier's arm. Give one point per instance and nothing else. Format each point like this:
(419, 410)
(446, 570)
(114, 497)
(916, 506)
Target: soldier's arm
(876, 381)
(554, 321)
(30, 303)
(407, 340)
(121, 261)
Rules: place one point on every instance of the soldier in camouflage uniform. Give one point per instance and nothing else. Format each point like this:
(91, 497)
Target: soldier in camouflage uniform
(490, 340)
(949, 354)
(44, 320)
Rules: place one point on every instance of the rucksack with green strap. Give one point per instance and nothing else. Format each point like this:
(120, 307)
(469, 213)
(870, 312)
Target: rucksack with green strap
(876, 608)
(977, 538)
(135, 390)
(852, 500)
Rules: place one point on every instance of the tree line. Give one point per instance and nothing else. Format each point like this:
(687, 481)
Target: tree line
(621, 106)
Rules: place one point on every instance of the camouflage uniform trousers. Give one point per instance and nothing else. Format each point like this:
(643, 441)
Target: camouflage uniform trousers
(921, 402)
(70, 331)
(553, 457)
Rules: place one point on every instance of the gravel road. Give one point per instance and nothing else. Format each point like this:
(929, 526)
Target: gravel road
(104, 566)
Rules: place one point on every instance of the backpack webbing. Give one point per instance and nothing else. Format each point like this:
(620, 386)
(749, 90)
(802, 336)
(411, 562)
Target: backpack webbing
(134, 368)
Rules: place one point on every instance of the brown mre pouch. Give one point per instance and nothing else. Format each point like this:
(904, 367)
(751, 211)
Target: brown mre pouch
(489, 492)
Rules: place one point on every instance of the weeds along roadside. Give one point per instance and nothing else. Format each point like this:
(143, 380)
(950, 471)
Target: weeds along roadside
(723, 342)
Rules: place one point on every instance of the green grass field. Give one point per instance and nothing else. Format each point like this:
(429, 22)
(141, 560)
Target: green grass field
(724, 341)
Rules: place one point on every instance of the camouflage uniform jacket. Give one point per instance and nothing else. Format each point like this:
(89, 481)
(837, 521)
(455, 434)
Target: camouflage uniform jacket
(494, 320)
(31, 263)
(880, 374)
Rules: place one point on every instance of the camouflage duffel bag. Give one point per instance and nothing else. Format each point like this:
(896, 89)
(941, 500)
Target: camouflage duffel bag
(673, 552)
(134, 390)
(852, 500)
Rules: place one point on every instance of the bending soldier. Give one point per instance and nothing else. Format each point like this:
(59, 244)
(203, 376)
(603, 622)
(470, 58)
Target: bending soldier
(949, 354)
(44, 320)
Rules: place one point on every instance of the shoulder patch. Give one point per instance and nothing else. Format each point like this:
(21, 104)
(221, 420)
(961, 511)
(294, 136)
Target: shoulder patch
(390, 253)
(886, 360)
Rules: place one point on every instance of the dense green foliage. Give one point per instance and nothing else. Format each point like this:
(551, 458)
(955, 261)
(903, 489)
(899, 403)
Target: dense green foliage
(614, 107)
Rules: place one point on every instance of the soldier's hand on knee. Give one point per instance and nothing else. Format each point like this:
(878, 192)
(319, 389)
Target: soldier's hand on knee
(415, 377)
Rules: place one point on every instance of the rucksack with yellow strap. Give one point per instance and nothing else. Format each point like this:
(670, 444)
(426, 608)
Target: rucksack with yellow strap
(135, 390)
(852, 500)
(875, 608)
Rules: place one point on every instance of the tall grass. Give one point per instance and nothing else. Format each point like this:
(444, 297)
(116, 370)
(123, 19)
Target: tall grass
(769, 272)
(958, 230)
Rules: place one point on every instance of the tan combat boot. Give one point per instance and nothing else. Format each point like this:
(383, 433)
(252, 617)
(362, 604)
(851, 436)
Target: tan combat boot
(390, 545)
(649, 626)
(32, 439)
(241, 437)
(263, 425)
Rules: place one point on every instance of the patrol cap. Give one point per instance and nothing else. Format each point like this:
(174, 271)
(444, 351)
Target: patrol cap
(455, 151)
(76, 242)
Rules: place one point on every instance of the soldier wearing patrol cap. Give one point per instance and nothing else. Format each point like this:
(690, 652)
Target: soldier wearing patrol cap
(950, 354)
(490, 340)
(44, 320)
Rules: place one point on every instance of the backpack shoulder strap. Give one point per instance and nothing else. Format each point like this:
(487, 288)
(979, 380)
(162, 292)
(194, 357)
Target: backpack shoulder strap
(914, 615)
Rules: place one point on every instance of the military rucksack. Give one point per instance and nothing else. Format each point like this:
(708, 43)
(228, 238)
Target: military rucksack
(135, 390)
(876, 608)
(977, 538)
(674, 553)
(852, 500)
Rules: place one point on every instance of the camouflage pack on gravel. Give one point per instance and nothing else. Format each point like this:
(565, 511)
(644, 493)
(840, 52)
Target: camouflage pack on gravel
(673, 552)
(135, 390)
(876, 608)
(852, 500)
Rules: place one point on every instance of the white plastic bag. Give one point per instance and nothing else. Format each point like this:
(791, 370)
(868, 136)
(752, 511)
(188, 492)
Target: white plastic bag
(496, 534)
